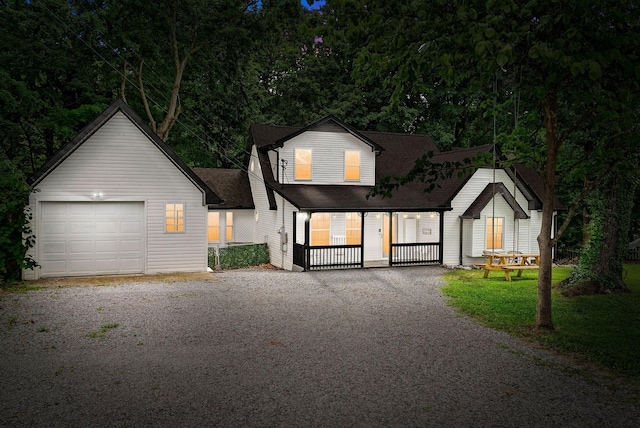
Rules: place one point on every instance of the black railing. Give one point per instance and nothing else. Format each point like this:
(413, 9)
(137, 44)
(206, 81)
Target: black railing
(334, 256)
(299, 255)
(416, 253)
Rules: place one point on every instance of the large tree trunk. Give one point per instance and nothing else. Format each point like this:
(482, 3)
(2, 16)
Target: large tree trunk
(545, 241)
(601, 263)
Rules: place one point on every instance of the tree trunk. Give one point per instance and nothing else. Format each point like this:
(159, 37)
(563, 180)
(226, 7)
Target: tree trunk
(601, 263)
(545, 241)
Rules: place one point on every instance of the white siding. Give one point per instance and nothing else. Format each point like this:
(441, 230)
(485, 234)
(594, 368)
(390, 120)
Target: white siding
(328, 158)
(474, 230)
(243, 225)
(124, 165)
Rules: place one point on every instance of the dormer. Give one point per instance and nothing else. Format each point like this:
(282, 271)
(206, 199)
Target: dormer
(327, 152)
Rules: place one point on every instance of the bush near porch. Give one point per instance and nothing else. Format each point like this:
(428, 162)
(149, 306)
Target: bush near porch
(601, 328)
(238, 256)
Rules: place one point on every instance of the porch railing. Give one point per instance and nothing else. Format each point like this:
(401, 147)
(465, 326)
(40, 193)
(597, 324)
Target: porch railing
(327, 256)
(415, 253)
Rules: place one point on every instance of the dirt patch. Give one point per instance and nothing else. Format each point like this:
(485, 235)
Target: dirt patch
(93, 281)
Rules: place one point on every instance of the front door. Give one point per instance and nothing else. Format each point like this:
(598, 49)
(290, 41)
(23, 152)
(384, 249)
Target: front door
(385, 234)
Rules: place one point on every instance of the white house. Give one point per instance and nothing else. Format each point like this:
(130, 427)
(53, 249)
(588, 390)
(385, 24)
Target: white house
(310, 187)
(117, 200)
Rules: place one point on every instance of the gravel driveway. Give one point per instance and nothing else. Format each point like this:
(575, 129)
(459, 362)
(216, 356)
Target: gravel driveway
(375, 347)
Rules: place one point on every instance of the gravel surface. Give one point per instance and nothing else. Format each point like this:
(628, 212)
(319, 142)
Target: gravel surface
(373, 347)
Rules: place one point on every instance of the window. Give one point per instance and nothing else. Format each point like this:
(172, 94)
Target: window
(353, 229)
(320, 228)
(303, 164)
(213, 226)
(174, 217)
(351, 166)
(494, 233)
(229, 226)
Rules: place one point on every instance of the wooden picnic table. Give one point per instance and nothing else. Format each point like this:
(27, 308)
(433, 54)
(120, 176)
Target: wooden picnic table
(509, 262)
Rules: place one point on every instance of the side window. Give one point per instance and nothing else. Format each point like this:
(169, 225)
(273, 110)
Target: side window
(303, 164)
(351, 165)
(229, 226)
(174, 216)
(495, 235)
(213, 226)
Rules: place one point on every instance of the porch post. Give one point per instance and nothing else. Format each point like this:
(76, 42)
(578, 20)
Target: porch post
(295, 229)
(307, 218)
(440, 258)
(390, 238)
(362, 239)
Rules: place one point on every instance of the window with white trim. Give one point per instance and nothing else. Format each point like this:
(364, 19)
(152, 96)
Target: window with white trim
(174, 218)
(320, 228)
(303, 166)
(351, 165)
(229, 226)
(353, 228)
(213, 226)
(495, 233)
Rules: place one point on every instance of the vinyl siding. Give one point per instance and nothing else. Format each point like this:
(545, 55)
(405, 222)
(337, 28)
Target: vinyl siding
(327, 158)
(474, 230)
(122, 163)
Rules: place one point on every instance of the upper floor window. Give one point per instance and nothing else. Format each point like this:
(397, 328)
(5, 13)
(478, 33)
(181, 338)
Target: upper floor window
(303, 164)
(174, 216)
(495, 235)
(351, 165)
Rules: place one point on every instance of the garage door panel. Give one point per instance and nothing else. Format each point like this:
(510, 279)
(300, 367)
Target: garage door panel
(91, 238)
(54, 228)
(80, 247)
(54, 248)
(107, 227)
(130, 245)
(54, 267)
(107, 246)
(81, 227)
(133, 227)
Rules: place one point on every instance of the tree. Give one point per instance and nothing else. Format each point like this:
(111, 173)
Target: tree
(573, 59)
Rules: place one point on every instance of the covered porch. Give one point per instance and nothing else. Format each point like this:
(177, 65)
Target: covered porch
(357, 239)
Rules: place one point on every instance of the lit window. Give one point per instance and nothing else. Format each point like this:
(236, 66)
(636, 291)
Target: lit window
(229, 234)
(303, 164)
(494, 233)
(351, 166)
(174, 217)
(213, 226)
(320, 228)
(353, 229)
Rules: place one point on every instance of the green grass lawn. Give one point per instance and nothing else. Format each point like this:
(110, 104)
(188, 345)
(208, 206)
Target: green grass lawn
(604, 328)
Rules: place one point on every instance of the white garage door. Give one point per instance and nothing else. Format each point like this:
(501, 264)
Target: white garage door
(91, 238)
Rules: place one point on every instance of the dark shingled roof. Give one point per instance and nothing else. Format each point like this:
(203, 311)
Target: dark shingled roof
(120, 106)
(231, 185)
(487, 195)
(398, 155)
(530, 178)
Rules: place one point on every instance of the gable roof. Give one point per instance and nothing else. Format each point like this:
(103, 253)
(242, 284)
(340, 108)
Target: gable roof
(231, 185)
(398, 155)
(327, 123)
(487, 195)
(209, 196)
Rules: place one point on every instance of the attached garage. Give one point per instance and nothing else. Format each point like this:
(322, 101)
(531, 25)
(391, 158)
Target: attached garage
(105, 204)
(92, 238)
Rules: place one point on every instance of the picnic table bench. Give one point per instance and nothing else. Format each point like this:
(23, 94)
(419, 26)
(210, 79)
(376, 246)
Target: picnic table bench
(509, 262)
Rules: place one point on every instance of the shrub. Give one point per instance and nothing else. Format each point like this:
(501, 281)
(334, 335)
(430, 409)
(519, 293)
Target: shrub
(239, 256)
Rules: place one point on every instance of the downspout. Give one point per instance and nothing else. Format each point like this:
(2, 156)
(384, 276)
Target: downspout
(461, 238)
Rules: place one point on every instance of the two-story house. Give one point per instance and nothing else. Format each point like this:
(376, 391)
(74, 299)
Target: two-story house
(118, 200)
(311, 186)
